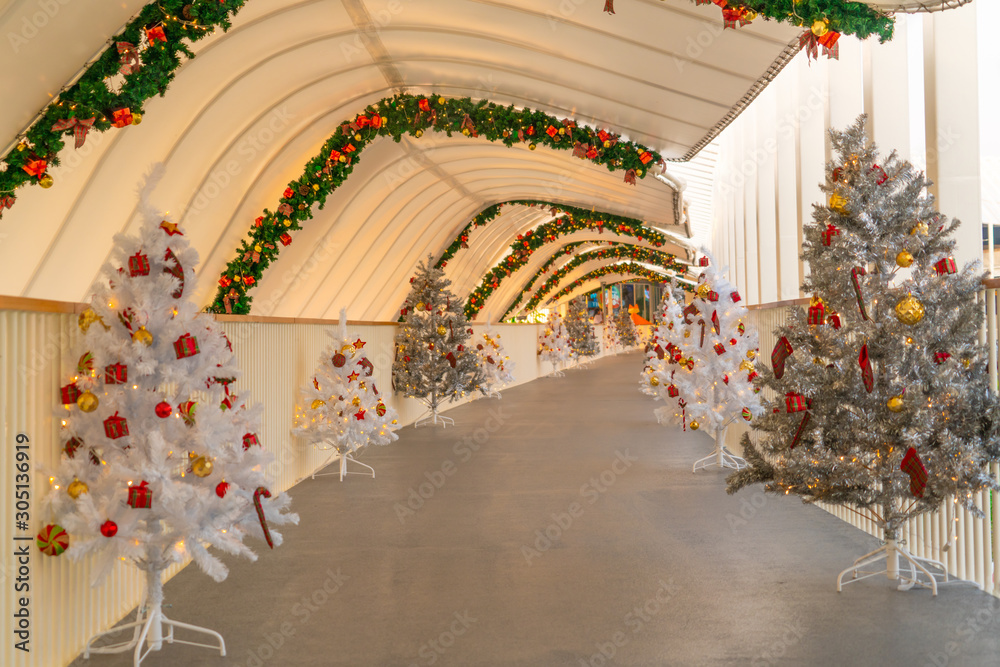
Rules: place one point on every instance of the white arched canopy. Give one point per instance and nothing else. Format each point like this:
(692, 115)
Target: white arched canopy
(239, 122)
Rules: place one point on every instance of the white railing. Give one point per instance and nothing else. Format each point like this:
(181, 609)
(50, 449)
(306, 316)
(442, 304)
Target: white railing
(952, 535)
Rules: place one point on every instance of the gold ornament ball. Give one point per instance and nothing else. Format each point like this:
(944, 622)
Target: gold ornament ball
(143, 336)
(357, 137)
(137, 119)
(703, 290)
(562, 130)
(820, 27)
(466, 131)
(418, 134)
(607, 144)
(441, 330)
(76, 487)
(202, 466)
(904, 258)
(87, 402)
(966, 362)
(751, 354)
(46, 181)
(687, 334)
(746, 366)
(356, 401)
(838, 203)
(919, 228)
(317, 403)
(342, 158)
(695, 425)
(257, 248)
(440, 100)
(532, 146)
(909, 310)
(655, 381)
(895, 404)
(420, 306)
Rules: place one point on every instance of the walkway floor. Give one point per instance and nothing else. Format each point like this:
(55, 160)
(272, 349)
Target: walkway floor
(561, 526)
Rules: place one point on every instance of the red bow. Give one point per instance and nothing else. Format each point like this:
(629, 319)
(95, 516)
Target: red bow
(129, 58)
(228, 299)
(156, 34)
(630, 176)
(80, 128)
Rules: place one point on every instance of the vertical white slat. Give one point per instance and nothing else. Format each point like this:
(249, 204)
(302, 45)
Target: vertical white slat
(994, 513)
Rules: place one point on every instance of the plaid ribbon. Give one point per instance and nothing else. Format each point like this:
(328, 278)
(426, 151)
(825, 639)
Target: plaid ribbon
(80, 128)
(128, 57)
(227, 301)
(730, 17)
(856, 274)
(810, 43)
(782, 350)
(630, 176)
(914, 467)
(609, 6)
(801, 430)
(580, 150)
(467, 125)
(866, 369)
(285, 209)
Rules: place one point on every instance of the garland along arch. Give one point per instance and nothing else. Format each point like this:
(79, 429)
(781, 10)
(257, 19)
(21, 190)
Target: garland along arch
(393, 117)
(647, 255)
(628, 268)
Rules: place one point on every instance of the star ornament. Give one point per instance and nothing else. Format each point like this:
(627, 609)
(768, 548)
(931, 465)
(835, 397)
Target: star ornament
(353, 376)
(359, 415)
(358, 344)
(170, 228)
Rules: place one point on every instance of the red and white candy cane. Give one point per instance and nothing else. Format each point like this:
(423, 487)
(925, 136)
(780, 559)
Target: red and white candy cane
(261, 491)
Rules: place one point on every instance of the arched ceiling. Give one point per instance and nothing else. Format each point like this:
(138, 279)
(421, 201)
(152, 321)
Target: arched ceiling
(239, 122)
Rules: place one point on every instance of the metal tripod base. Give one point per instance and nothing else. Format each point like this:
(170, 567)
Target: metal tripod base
(721, 457)
(891, 552)
(344, 460)
(432, 418)
(148, 632)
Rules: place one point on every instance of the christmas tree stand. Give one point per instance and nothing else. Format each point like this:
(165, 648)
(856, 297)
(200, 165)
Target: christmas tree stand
(556, 373)
(345, 458)
(148, 628)
(720, 456)
(891, 552)
(494, 393)
(431, 416)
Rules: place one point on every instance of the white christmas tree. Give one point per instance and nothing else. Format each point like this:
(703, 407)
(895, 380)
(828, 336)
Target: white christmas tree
(342, 409)
(553, 343)
(612, 343)
(432, 360)
(712, 384)
(161, 461)
(496, 366)
(663, 344)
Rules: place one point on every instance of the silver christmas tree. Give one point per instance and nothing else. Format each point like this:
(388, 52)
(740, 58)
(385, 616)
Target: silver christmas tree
(882, 401)
(432, 360)
(581, 331)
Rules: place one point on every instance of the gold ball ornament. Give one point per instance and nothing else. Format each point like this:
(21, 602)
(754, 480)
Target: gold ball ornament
(607, 144)
(440, 100)
(441, 330)
(87, 402)
(137, 119)
(904, 258)
(687, 334)
(532, 146)
(76, 488)
(751, 354)
(654, 381)
(46, 181)
(695, 425)
(746, 365)
(820, 27)
(909, 310)
(466, 131)
(420, 306)
(317, 403)
(257, 247)
(703, 290)
(920, 228)
(895, 404)
(202, 466)
(966, 362)
(418, 133)
(357, 136)
(143, 336)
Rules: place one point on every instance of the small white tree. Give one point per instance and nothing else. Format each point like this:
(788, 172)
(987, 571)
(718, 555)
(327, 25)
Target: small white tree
(553, 343)
(342, 408)
(666, 335)
(497, 368)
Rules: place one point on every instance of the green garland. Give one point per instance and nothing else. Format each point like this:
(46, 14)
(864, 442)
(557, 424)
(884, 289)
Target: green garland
(600, 218)
(565, 250)
(647, 255)
(847, 18)
(630, 268)
(394, 117)
(526, 244)
(89, 97)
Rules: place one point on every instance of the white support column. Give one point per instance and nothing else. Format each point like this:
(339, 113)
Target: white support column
(951, 80)
(813, 98)
(786, 88)
(753, 154)
(767, 195)
(744, 171)
(889, 107)
(845, 81)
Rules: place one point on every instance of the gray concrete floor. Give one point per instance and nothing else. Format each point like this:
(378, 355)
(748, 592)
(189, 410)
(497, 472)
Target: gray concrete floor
(572, 533)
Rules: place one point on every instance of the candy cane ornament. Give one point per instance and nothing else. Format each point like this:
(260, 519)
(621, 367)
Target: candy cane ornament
(261, 491)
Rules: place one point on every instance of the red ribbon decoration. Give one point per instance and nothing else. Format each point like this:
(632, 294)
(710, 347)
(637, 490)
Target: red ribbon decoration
(129, 58)
(914, 467)
(6, 202)
(156, 34)
(229, 298)
(866, 369)
(810, 43)
(80, 128)
(261, 491)
(856, 274)
(36, 168)
(609, 6)
(630, 176)
(730, 17)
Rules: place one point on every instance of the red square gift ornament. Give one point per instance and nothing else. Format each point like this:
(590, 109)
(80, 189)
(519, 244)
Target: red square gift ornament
(672, 391)
(138, 265)
(116, 373)
(285, 239)
(249, 440)
(140, 497)
(945, 266)
(115, 427)
(186, 346)
(121, 117)
(69, 394)
(720, 348)
(794, 402)
(941, 357)
(713, 295)
(817, 312)
(703, 261)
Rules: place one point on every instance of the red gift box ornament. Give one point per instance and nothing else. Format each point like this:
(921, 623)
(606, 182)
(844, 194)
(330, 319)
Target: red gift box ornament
(782, 349)
(285, 239)
(138, 265)
(914, 467)
(856, 274)
(941, 357)
(121, 117)
(831, 231)
(115, 427)
(736, 297)
(424, 104)
(794, 402)
(672, 391)
(713, 296)
(250, 440)
(817, 311)
(116, 373)
(140, 497)
(71, 446)
(703, 261)
(945, 266)
(551, 131)
(645, 157)
(720, 348)
(186, 346)
(156, 34)
(36, 168)
(69, 394)
(867, 376)
(834, 319)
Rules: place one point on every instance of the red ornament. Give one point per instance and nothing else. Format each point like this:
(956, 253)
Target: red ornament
(359, 415)
(138, 265)
(732, 341)
(186, 346)
(249, 440)
(368, 366)
(817, 313)
(71, 446)
(831, 231)
(452, 361)
(170, 229)
(339, 360)
(289, 193)
(672, 391)
(914, 467)
(834, 319)
(116, 373)
(406, 359)
(109, 528)
(779, 354)
(249, 280)
(353, 376)
(115, 427)
(225, 282)
(941, 357)
(358, 344)
(856, 274)
(703, 261)
(187, 410)
(156, 34)
(794, 402)
(882, 177)
(174, 268)
(52, 540)
(121, 117)
(163, 409)
(720, 348)
(713, 295)
(285, 239)
(945, 266)
(867, 376)
(221, 488)
(380, 409)
(736, 297)
(70, 393)
(140, 497)
(36, 168)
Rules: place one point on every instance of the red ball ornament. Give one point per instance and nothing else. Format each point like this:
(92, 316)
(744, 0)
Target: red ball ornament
(109, 528)
(339, 360)
(221, 488)
(732, 341)
(163, 409)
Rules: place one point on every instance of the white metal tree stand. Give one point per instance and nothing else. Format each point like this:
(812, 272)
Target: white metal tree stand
(345, 456)
(720, 456)
(151, 628)
(556, 372)
(891, 552)
(431, 416)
